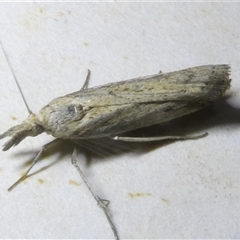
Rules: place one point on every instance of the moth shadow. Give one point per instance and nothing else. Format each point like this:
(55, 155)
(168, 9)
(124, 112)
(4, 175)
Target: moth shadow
(219, 114)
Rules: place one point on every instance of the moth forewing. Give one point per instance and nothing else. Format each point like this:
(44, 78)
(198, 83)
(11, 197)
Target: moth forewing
(173, 86)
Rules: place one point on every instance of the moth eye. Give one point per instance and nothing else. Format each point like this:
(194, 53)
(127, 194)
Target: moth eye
(72, 109)
(39, 128)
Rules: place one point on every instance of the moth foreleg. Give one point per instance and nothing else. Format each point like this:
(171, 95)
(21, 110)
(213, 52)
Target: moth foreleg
(35, 160)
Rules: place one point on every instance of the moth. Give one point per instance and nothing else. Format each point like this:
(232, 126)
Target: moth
(115, 108)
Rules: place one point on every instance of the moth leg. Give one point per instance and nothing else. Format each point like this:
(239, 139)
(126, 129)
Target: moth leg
(85, 85)
(102, 203)
(35, 160)
(152, 139)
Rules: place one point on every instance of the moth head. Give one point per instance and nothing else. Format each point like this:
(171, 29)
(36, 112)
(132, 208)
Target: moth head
(60, 117)
(29, 127)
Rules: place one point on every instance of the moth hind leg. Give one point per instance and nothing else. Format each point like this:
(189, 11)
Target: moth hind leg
(153, 139)
(102, 203)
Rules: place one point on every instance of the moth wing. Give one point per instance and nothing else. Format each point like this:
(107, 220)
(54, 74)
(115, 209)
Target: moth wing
(204, 82)
(137, 103)
(116, 119)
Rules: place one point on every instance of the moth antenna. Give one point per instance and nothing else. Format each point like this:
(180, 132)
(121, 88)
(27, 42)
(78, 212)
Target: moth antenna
(16, 81)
